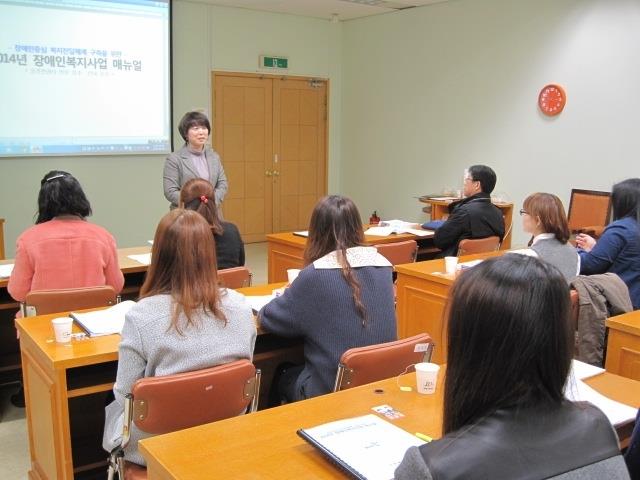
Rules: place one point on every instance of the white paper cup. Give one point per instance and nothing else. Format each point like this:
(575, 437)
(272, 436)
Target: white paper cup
(426, 377)
(450, 264)
(62, 329)
(292, 274)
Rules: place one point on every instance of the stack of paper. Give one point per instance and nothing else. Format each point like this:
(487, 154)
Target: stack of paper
(367, 447)
(5, 270)
(143, 258)
(103, 322)
(259, 301)
(387, 227)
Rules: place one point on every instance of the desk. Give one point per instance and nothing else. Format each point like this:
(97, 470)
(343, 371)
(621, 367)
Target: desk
(265, 445)
(422, 293)
(66, 387)
(286, 250)
(133, 271)
(623, 345)
(440, 209)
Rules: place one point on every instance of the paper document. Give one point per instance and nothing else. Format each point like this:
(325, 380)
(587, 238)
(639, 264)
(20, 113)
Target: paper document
(302, 233)
(103, 322)
(469, 264)
(5, 270)
(368, 447)
(143, 258)
(444, 199)
(581, 370)
(258, 301)
(387, 227)
(617, 413)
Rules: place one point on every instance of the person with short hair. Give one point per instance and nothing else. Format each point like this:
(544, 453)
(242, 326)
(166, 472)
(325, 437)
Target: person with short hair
(63, 250)
(474, 216)
(183, 321)
(544, 218)
(510, 343)
(618, 248)
(198, 195)
(343, 298)
(194, 160)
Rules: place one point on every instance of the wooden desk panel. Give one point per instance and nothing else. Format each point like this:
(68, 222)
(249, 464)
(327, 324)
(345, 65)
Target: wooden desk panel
(422, 293)
(66, 386)
(265, 445)
(623, 345)
(286, 250)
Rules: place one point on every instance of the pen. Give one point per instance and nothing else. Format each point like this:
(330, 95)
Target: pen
(424, 437)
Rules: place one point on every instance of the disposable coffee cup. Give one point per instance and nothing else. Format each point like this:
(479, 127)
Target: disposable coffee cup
(450, 264)
(292, 274)
(62, 329)
(426, 377)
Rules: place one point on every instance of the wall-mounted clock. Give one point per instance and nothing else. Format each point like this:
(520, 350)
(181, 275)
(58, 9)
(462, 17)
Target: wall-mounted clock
(552, 99)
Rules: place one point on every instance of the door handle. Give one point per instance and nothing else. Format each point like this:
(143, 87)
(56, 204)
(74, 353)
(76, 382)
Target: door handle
(268, 173)
(276, 173)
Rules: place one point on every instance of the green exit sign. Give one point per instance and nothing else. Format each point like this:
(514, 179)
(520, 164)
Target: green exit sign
(274, 62)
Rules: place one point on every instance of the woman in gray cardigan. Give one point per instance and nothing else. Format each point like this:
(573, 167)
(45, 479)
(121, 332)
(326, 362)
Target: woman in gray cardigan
(544, 218)
(194, 160)
(183, 321)
(343, 298)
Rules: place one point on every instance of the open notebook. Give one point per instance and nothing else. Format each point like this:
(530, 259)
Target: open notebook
(103, 322)
(367, 447)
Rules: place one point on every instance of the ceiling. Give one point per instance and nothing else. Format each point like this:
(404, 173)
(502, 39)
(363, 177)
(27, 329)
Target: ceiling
(343, 9)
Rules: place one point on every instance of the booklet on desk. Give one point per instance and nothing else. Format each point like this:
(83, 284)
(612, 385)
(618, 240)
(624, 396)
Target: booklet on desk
(367, 447)
(103, 322)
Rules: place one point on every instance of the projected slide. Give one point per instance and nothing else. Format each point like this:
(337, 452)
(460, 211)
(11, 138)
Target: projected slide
(84, 77)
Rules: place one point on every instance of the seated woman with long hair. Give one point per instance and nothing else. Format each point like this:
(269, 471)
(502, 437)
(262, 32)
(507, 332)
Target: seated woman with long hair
(183, 320)
(199, 195)
(342, 298)
(63, 250)
(510, 343)
(618, 248)
(544, 218)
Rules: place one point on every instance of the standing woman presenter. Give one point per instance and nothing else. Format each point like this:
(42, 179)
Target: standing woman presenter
(194, 160)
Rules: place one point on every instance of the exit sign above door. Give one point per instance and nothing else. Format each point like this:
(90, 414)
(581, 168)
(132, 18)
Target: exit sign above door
(280, 63)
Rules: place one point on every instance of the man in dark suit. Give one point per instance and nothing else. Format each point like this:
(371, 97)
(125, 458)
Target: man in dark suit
(474, 216)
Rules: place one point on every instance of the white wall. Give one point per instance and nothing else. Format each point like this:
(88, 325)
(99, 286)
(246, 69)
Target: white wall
(126, 192)
(431, 90)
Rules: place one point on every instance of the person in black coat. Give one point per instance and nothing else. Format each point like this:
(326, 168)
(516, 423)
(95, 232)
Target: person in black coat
(474, 216)
(198, 194)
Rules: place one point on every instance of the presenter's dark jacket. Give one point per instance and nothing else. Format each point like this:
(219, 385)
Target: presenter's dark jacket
(179, 168)
(568, 441)
(472, 217)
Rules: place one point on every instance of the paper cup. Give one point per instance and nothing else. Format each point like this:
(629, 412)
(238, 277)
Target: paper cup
(292, 274)
(426, 377)
(62, 329)
(450, 264)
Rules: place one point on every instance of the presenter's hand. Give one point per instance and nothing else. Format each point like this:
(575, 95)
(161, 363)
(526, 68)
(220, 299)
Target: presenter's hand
(585, 242)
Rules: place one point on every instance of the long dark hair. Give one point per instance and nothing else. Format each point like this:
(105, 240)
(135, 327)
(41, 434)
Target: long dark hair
(183, 265)
(549, 210)
(61, 194)
(625, 199)
(509, 338)
(336, 226)
(199, 195)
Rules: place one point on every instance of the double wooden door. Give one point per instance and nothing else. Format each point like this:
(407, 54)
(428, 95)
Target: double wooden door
(271, 135)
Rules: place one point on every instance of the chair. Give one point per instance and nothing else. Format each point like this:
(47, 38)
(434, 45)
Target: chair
(399, 252)
(478, 245)
(589, 211)
(236, 277)
(42, 302)
(166, 404)
(362, 365)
